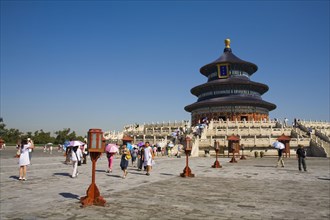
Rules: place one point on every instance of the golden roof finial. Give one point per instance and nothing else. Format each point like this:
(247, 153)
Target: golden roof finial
(227, 43)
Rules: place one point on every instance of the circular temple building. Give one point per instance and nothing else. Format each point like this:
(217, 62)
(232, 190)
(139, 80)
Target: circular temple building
(229, 94)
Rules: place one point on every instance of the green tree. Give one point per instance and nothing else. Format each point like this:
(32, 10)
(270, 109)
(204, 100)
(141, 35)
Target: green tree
(64, 135)
(41, 137)
(10, 135)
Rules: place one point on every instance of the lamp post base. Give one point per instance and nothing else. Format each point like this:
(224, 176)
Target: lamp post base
(216, 164)
(187, 172)
(233, 160)
(93, 197)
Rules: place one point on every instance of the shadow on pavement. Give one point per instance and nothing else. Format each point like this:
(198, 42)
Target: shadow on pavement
(14, 177)
(69, 196)
(263, 166)
(167, 174)
(136, 173)
(61, 174)
(118, 176)
(101, 171)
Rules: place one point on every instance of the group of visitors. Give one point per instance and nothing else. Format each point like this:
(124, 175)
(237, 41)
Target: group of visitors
(144, 155)
(301, 155)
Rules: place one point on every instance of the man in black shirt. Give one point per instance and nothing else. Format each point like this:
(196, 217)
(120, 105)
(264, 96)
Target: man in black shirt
(301, 154)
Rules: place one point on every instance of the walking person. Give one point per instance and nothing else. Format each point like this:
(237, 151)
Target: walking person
(134, 154)
(24, 159)
(76, 156)
(148, 157)
(301, 155)
(85, 153)
(141, 158)
(125, 157)
(110, 157)
(280, 158)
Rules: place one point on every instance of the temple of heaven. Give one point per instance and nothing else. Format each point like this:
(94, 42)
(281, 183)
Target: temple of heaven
(229, 94)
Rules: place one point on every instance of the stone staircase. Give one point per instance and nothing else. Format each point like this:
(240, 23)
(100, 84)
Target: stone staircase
(320, 142)
(256, 136)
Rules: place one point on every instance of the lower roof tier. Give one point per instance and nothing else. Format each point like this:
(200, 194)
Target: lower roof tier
(230, 101)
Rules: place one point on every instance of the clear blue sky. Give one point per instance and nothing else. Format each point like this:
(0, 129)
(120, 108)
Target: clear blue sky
(105, 64)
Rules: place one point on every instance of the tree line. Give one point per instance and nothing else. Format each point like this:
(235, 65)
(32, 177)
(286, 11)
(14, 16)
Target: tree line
(13, 135)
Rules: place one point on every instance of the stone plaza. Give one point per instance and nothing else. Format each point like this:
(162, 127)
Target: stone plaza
(250, 189)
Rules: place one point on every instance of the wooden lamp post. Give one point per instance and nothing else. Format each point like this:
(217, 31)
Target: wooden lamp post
(95, 148)
(233, 145)
(216, 148)
(188, 148)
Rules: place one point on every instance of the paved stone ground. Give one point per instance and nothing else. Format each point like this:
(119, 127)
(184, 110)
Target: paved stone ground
(250, 189)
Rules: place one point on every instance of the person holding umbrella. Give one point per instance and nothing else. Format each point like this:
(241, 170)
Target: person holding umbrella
(76, 156)
(111, 150)
(280, 147)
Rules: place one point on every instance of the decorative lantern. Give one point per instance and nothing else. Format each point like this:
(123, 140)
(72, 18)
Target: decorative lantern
(95, 140)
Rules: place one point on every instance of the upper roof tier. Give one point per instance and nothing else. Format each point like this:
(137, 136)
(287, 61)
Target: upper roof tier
(229, 58)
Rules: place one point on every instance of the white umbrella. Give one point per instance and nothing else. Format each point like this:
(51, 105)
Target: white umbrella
(76, 143)
(278, 145)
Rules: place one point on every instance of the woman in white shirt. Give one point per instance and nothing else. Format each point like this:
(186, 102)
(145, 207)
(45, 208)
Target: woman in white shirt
(76, 156)
(24, 159)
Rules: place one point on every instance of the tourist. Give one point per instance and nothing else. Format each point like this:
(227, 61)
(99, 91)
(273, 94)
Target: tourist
(110, 157)
(280, 157)
(30, 149)
(301, 155)
(18, 148)
(67, 155)
(141, 158)
(179, 150)
(286, 122)
(148, 158)
(59, 148)
(85, 153)
(154, 148)
(310, 131)
(2, 146)
(24, 159)
(134, 153)
(125, 157)
(76, 156)
(159, 150)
